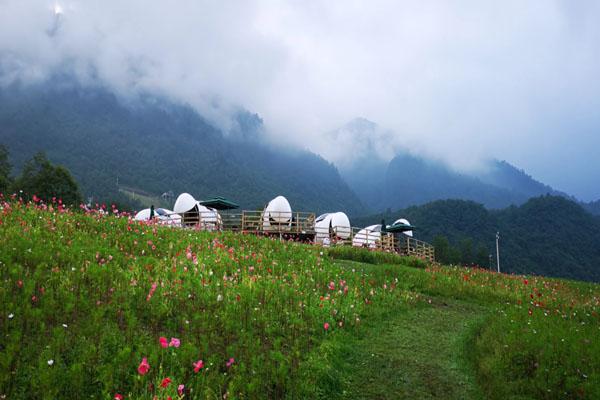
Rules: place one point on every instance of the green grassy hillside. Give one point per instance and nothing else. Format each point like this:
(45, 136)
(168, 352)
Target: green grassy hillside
(95, 306)
(548, 235)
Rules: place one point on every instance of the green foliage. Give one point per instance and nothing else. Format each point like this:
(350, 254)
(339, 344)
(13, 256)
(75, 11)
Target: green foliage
(5, 168)
(85, 297)
(42, 179)
(548, 235)
(92, 294)
(372, 257)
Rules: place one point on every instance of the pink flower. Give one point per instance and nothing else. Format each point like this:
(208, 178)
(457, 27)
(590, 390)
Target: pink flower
(163, 342)
(144, 367)
(118, 396)
(180, 389)
(326, 326)
(198, 365)
(230, 362)
(174, 342)
(165, 382)
(331, 285)
(152, 290)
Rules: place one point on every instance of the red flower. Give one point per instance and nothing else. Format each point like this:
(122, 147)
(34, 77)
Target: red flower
(326, 326)
(144, 367)
(165, 382)
(525, 281)
(164, 343)
(198, 365)
(118, 396)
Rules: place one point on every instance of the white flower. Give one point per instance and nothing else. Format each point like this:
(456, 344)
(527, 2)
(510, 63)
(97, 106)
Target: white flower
(50, 362)
(220, 298)
(65, 326)
(11, 315)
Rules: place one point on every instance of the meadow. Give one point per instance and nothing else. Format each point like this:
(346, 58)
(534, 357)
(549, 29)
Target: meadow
(95, 305)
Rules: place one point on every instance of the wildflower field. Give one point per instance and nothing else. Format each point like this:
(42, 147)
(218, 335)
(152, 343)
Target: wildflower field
(95, 305)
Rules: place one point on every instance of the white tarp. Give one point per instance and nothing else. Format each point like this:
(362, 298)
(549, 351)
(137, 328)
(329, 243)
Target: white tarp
(368, 236)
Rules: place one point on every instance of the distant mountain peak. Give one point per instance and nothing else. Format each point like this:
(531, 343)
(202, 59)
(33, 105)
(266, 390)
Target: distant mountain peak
(356, 141)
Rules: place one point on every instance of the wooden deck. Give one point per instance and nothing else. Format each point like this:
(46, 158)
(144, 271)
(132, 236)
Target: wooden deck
(301, 226)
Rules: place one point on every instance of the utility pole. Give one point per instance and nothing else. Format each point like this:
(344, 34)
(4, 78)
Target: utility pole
(498, 250)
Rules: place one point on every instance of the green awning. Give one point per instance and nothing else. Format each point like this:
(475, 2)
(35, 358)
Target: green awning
(219, 203)
(399, 228)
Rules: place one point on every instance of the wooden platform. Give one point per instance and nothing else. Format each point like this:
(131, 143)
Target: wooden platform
(301, 226)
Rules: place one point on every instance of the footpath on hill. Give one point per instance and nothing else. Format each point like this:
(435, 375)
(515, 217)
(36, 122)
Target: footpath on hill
(415, 351)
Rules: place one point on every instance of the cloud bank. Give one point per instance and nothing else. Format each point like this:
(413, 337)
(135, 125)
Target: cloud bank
(457, 80)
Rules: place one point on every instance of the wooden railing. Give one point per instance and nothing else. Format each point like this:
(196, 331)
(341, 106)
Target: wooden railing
(301, 225)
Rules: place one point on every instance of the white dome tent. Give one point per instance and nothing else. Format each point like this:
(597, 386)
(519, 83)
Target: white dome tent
(184, 203)
(332, 226)
(367, 237)
(195, 214)
(278, 212)
(209, 217)
(162, 215)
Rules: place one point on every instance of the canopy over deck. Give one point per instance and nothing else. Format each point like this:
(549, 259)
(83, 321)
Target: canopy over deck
(219, 203)
(399, 228)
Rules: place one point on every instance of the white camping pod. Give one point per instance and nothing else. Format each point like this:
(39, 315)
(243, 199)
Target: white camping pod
(208, 218)
(184, 203)
(332, 224)
(404, 222)
(341, 225)
(168, 217)
(322, 226)
(278, 212)
(162, 215)
(367, 237)
(143, 215)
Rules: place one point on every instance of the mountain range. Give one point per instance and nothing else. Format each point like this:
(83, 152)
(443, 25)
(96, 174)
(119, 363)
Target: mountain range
(115, 146)
(407, 179)
(157, 146)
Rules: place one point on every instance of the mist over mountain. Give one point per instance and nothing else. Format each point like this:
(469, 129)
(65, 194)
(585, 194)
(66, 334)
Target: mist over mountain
(404, 179)
(154, 145)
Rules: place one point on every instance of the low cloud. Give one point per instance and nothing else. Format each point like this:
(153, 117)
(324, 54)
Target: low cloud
(459, 80)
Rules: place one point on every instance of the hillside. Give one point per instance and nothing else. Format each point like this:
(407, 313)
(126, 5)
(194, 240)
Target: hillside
(97, 306)
(548, 235)
(156, 146)
(593, 207)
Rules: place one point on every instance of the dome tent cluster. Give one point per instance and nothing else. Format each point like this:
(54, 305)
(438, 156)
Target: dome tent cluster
(277, 217)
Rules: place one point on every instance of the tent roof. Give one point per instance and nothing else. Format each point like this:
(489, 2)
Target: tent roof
(398, 228)
(219, 203)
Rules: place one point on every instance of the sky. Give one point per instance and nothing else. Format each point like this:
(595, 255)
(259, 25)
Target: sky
(459, 81)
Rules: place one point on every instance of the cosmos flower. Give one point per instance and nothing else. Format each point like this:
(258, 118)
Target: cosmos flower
(144, 367)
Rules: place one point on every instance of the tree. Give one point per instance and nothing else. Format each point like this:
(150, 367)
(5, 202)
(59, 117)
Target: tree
(46, 181)
(466, 251)
(442, 249)
(5, 167)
